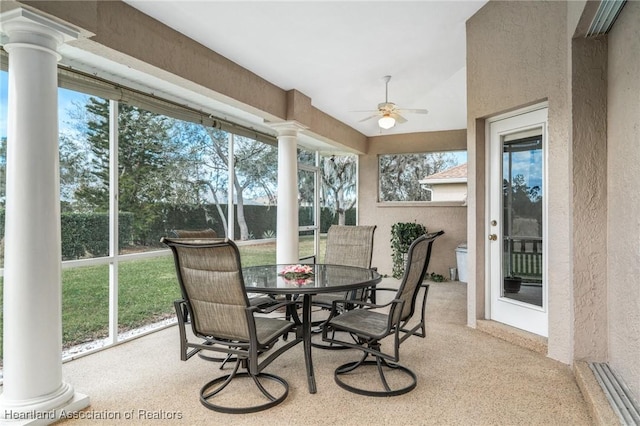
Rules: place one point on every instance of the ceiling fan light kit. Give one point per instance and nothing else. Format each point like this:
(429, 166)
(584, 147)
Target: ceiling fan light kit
(386, 122)
(388, 112)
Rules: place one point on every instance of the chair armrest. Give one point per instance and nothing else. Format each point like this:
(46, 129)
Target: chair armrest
(182, 312)
(392, 320)
(270, 308)
(360, 303)
(180, 306)
(386, 289)
(373, 291)
(291, 313)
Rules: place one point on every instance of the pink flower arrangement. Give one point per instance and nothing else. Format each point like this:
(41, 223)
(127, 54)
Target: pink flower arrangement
(297, 270)
(297, 274)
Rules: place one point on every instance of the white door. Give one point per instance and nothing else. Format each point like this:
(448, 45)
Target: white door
(517, 228)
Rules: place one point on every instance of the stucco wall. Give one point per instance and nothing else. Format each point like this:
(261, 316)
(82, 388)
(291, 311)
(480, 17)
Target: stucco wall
(517, 55)
(623, 140)
(450, 217)
(449, 192)
(589, 168)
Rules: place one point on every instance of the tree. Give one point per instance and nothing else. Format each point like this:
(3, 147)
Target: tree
(201, 174)
(256, 173)
(400, 174)
(339, 184)
(525, 202)
(255, 168)
(144, 152)
(73, 159)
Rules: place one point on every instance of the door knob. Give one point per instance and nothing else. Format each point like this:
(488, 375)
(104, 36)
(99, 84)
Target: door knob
(493, 237)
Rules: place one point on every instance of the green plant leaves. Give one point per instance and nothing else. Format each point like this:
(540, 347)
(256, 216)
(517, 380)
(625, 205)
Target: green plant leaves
(402, 235)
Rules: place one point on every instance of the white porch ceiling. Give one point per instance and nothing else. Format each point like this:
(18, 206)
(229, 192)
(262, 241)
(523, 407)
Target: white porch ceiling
(336, 52)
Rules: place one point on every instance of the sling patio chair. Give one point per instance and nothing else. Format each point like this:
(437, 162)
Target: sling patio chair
(369, 323)
(195, 233)
(348, 246)
(262, 301)
(210, 277)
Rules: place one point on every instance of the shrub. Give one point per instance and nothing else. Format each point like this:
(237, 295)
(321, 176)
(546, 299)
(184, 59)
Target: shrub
(402, 235)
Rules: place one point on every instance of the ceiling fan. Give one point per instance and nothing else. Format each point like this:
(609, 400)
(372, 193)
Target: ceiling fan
(388, 112)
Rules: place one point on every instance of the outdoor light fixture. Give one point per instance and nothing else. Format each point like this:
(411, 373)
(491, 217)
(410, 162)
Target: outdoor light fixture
(386, 122)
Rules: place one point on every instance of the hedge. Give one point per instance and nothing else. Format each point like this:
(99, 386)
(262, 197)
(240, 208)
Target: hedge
(87, 234)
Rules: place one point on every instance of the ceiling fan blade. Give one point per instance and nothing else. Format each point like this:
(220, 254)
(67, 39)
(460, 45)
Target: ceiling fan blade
(400, 119)
(415, 111)
(390, 109)
(370, 117)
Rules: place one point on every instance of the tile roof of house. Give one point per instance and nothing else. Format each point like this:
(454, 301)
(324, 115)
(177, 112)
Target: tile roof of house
(457, 173)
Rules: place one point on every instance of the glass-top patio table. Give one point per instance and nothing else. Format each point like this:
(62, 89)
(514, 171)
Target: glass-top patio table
(325, 279)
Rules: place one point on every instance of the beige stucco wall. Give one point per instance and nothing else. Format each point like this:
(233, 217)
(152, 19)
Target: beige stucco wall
(522, 52)
(449, 192)
(517, 56)
(589, 168)
(450, 217)
(623, 180)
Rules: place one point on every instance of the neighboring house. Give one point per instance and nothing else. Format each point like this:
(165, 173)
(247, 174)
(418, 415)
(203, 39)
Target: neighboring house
(448, 185)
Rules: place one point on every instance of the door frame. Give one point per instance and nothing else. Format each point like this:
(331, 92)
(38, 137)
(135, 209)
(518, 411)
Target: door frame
(315, 169)
(541, 328)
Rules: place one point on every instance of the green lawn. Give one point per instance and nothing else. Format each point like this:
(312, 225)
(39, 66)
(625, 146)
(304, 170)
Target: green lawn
(147, 289)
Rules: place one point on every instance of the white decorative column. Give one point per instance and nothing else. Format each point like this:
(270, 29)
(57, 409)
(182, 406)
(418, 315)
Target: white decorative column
(33, 390)
(287, 226)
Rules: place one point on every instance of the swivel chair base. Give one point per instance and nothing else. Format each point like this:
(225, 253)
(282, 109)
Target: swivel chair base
(381, 365)
(218, 384)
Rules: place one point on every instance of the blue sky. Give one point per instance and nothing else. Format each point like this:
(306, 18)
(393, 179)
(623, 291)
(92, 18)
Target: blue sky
(528, 164)
(65, 103)
(460, 156)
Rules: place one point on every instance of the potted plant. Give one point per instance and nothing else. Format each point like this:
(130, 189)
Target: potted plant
(512, 284)
(402, 235)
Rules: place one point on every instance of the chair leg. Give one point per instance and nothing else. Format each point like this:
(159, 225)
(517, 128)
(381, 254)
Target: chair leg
(262, 388)
(331, 346)
(228, 358)
(381, 364)
(225, 380)
(383, 379)
(215, 386)
(350, 366)
(222, 359)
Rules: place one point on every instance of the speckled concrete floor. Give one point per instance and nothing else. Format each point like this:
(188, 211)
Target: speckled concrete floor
(465, 377)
